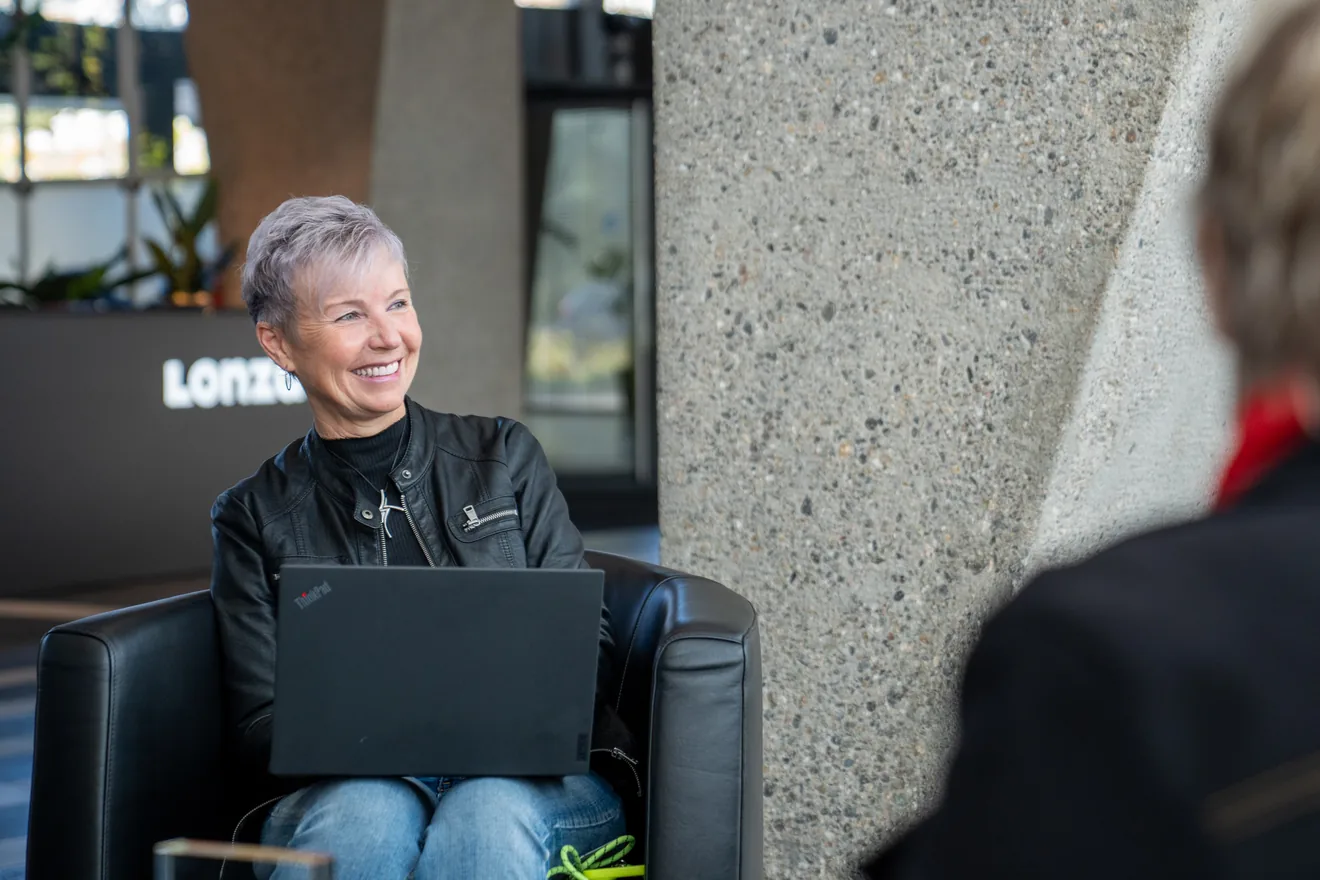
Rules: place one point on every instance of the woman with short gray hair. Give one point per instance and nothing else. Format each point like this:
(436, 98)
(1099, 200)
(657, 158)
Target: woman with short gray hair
(326, 284)
(1151, 712)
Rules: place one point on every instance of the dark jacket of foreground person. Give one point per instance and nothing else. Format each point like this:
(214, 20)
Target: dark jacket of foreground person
(1153, 712)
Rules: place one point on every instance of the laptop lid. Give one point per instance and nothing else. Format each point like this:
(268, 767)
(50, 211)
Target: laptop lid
(406, 671)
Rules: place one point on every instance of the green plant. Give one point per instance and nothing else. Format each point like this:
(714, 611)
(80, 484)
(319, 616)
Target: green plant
(178, 261)
(69, 59)
(72, 286)
(24, 24)
(153, 150)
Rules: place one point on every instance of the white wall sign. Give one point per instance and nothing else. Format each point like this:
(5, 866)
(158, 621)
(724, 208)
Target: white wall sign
(228, 382)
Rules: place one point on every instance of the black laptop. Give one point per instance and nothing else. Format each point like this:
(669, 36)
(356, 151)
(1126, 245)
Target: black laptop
(435, 671)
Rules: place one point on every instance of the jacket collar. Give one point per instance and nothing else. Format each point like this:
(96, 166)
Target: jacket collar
(338, 479)
(1292, 482)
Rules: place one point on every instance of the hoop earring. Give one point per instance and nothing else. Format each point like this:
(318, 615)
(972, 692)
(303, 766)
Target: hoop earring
(288, 381)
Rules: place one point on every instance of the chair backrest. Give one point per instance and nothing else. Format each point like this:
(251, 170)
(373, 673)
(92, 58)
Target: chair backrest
(129, 740)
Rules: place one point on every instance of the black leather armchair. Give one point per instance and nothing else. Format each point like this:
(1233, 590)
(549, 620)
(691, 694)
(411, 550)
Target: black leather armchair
(130, 732)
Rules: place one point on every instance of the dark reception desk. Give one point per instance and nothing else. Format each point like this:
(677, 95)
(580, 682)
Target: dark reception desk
(119, 430)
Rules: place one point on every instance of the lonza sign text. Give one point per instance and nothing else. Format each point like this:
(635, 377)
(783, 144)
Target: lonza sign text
(228, 382)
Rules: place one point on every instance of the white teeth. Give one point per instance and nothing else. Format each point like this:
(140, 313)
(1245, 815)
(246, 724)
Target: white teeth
(373, 372)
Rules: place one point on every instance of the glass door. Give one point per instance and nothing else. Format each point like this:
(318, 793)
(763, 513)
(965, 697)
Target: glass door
(589, 387)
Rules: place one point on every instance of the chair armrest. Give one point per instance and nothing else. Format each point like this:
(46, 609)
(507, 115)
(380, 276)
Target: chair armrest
(705, 793)
(129, 740)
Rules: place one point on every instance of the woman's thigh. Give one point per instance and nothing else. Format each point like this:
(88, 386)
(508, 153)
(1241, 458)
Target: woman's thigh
(516, 828)
(372, 828)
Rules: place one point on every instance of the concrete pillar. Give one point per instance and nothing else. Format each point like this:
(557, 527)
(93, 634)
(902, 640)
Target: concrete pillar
(446, 174)
(888, 234)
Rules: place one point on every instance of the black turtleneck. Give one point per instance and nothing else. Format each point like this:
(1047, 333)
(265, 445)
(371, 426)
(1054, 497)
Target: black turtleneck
(373, 458)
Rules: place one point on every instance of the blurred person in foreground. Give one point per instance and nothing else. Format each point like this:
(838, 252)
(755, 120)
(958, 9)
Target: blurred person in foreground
(381, 480)
(1154, 711)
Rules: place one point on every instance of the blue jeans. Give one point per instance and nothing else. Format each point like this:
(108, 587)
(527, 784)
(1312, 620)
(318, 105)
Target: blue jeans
(392, 829)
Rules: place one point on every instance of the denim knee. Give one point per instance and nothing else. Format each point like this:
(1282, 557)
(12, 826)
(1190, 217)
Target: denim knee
(478, 807)
(497, 828)
(370, 827)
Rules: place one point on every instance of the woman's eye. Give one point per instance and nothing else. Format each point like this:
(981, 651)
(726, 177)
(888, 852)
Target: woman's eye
(399, 304)
(345, 317)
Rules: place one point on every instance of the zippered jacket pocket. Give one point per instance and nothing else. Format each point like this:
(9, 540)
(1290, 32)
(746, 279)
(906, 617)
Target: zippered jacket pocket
(482, 519)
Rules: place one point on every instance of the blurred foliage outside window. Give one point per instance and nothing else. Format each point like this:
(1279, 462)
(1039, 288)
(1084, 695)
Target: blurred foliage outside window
(75, 128)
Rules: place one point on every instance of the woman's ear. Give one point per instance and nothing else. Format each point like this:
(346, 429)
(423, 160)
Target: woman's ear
(1213, 255)
(276, 345)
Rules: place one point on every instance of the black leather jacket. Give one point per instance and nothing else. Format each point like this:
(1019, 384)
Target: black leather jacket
(302, 506)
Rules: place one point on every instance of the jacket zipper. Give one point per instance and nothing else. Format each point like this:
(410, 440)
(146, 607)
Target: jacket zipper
(473, 521)
(384, 552)
(407, 514)
(620, 755)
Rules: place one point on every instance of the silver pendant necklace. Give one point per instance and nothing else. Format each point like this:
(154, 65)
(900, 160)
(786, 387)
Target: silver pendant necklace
(385, 506)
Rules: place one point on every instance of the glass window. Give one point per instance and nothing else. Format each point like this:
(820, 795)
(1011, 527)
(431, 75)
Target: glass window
(72, 60)
(580, 353)
(108, 13)
(76, 125)
(191, 153)
(160, 15)
(75, 151)
(6, 56)
(76, 139)
(9, 268)
(580, 332)
(8, 139)
(78, 257)
(635, 8)
(75, 227)
(172, 137)
(584, 443)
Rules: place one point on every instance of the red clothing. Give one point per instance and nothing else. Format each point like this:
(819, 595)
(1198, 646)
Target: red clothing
(1269, 430)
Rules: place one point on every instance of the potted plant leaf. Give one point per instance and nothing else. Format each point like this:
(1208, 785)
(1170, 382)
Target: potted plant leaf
(192, 280)
(91, 287)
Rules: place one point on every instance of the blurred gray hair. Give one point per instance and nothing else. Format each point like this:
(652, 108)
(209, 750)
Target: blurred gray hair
(305, 237)
(1262, 187)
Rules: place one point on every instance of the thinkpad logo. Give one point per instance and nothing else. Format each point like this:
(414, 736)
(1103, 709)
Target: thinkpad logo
(312, 595)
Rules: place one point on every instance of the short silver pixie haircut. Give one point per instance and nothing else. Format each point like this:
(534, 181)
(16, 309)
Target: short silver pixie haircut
(301, 240)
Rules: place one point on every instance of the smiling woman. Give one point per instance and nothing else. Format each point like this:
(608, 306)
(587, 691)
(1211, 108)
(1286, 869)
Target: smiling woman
(326, 283)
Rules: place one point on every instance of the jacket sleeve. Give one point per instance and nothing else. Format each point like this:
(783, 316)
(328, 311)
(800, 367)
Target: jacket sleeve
(245, 614)
(1054, 775)
(552, 541)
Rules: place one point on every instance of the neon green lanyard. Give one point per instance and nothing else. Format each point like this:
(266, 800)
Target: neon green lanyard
(605, 863)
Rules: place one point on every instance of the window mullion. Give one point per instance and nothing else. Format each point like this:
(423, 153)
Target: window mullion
(130, 95)
(23, 189)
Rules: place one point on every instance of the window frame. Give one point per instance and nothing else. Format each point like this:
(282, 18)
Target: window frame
(637, 99)
(129, 88)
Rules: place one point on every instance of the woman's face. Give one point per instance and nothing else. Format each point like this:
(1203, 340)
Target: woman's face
(354, 347)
